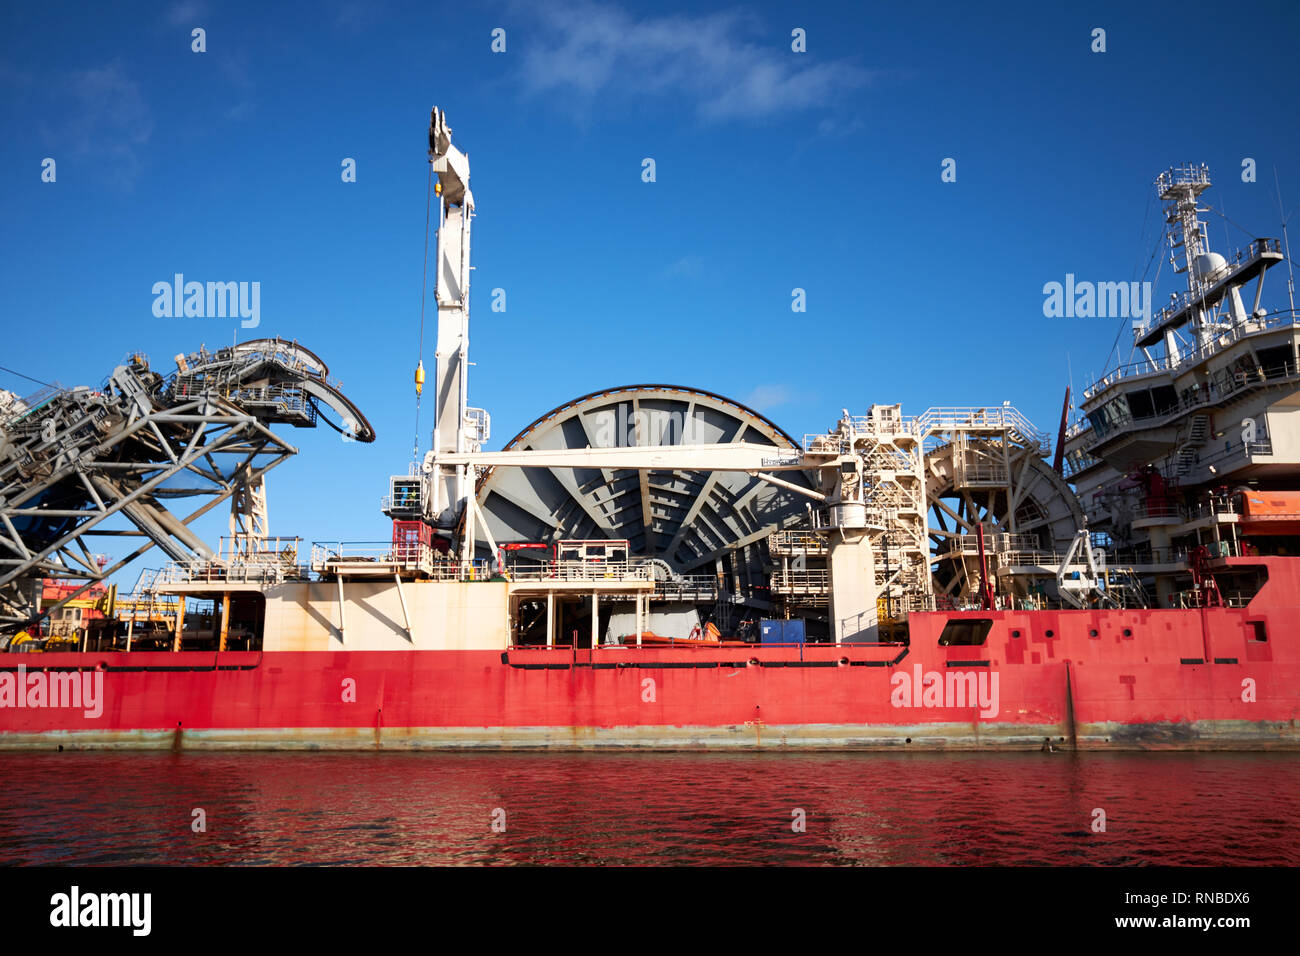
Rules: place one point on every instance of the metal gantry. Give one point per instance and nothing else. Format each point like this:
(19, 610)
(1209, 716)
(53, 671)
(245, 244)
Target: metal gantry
(73, 459)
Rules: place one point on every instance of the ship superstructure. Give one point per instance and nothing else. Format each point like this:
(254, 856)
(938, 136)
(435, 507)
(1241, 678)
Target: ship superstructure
(1192, 454)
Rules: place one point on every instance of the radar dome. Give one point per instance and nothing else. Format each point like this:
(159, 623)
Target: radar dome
(1208, 263)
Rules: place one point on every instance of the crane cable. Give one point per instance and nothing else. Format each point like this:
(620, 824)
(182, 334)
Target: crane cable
(1243, 229)
(424, 283)
(28, 377)
(1146, 218)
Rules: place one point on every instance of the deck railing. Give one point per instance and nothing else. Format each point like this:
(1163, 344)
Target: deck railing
(811, 581)
(1224, 385)
(581, 571)
(1194, 352)
(793, 541)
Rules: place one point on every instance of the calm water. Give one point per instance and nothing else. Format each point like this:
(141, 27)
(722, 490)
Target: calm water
(650, 809)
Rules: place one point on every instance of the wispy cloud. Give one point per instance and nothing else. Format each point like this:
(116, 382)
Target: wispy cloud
(101, 112)
(235, 70)
(186, 13)
(581, 51)
(685, 267)
(837, 128)
(764, 397)
(355, 15)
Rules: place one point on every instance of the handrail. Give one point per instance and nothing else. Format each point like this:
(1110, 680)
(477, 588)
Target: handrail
(815, 579)
(958, 418)
(1243, 256)
(1221, 341)
(216, 572)
(1225, 384)
(802, 540)
(583, 571)
(999, 543)
(955, 418)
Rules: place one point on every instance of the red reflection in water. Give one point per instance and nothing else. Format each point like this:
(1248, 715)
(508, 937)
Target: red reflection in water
(912, 809)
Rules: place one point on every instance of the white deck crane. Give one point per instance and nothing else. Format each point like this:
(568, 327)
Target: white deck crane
(456, 428)
(436, 492)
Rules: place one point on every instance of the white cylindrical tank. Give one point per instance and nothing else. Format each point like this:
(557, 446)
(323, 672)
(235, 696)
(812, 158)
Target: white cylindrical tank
(849, 514)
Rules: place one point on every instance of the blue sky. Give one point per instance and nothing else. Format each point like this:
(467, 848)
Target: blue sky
(775, 170)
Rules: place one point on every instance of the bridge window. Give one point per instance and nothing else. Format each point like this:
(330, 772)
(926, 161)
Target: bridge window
(1111, 415)
(1139, 402)
(1277, 362)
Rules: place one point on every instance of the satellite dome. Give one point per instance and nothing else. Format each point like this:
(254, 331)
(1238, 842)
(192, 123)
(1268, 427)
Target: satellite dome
(1209, 263)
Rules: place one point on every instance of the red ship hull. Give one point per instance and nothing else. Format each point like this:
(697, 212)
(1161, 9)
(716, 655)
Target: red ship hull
(1086, 679)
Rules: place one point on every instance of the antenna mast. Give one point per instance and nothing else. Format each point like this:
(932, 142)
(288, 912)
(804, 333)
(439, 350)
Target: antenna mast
(1286, 242)
(1180, 188)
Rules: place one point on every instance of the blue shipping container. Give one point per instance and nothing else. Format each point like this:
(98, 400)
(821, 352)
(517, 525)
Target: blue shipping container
(782, 632)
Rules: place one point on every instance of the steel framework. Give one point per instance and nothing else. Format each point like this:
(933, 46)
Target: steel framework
(71, 459)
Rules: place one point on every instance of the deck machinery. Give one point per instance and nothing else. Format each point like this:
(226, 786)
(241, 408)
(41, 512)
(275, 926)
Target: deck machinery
(75, 462)
(880, 516)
